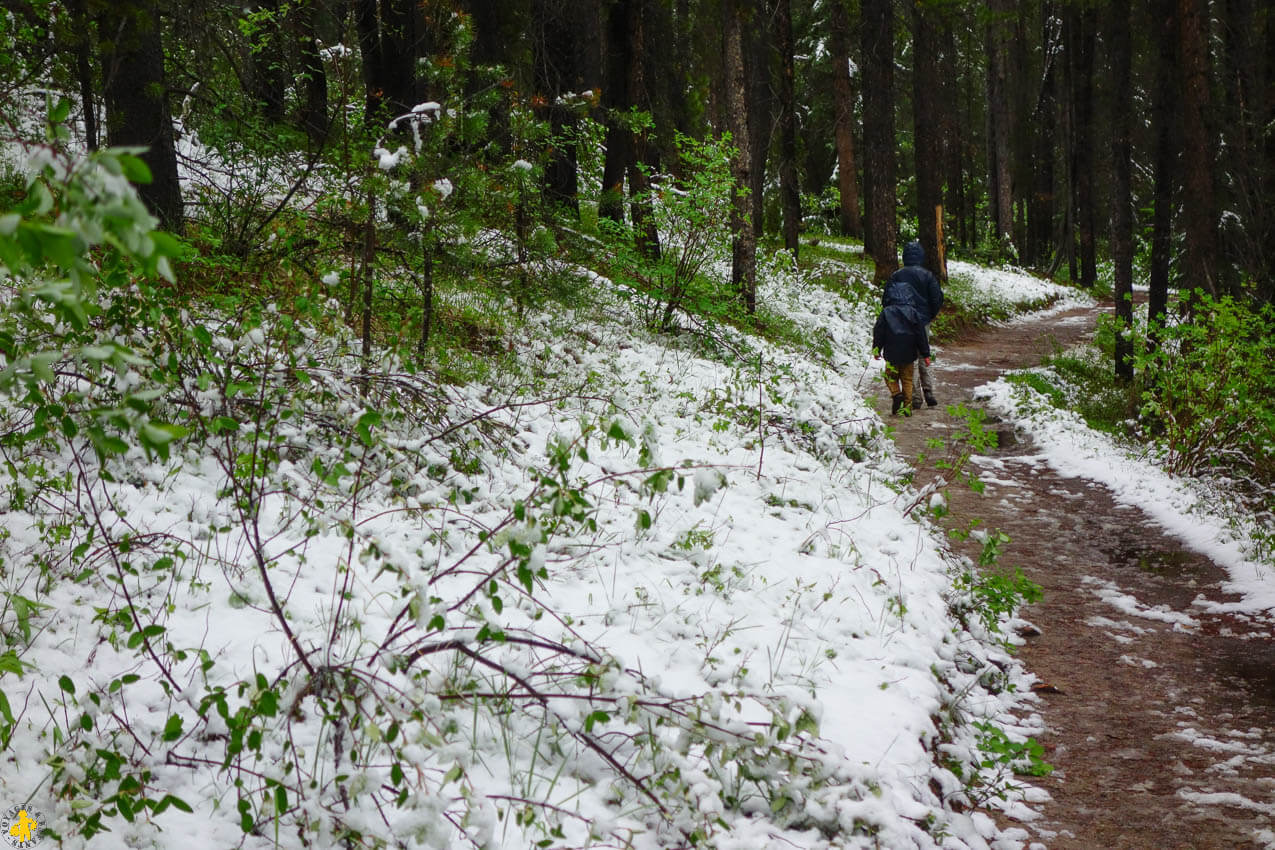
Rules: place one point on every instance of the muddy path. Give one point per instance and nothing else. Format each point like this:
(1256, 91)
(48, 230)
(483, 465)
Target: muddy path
(1160, 718)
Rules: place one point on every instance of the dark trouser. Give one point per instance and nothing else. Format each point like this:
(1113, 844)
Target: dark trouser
(926, 383)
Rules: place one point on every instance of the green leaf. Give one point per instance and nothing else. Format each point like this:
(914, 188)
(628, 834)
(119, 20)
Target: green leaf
(222, 424)
(157, 435)
(98, 352)
(177, 803)
(11, 663)
(595, 717)
(42, 365)
(107, 445)
(173, 728)
(65, 683)
(60, 111)
(369, 420)
(525, 576)
(134, 168)
(167, 245)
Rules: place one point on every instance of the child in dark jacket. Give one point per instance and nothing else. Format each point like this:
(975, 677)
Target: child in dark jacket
(900, 336)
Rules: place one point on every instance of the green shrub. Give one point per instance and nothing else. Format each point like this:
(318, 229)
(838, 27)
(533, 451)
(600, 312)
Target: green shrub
(1209, 391)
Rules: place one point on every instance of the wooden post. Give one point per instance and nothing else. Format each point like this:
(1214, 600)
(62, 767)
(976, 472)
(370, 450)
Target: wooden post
(940, 261)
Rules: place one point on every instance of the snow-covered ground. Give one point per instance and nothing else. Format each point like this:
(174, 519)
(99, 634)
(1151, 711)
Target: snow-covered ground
(1204, 519)
(650, 597)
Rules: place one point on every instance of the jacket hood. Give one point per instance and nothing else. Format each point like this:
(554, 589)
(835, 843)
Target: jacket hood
(913, 254)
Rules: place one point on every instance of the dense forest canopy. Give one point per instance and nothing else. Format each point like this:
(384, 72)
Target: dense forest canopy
(1062, 136)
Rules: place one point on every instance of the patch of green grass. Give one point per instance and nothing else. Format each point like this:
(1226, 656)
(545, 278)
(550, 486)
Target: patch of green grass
(968, 307)
(1104, 403)
(1084, 381)
(1040, 384)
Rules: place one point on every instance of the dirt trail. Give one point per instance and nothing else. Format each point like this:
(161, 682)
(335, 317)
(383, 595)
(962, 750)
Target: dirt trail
(1162, 728)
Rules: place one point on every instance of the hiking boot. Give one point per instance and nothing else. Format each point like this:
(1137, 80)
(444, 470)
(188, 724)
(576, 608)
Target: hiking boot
(896, 401)
(930, 399)
(916, 402)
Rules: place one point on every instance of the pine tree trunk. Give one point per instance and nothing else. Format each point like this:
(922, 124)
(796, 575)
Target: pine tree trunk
(1266, 280)
(1200, 257)
(954, 132)
(789, 191)
(1122, 182)
(615, 100)
(392, 38)
(927, 111)
(84, 70)
(744, 244)
(557, 60)
(843, 103)
(998, 123)
(1163, 122)
(313, 117)
(268, 81)
(643, 159)
(1041, 207)
(1081, 51)
(137, 112)
(1243, 131)
(878, 134)
(757, 49)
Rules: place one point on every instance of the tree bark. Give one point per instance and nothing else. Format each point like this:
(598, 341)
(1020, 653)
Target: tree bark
(843, 105)
(137, 112)
(878, 134)
(80, 27)
(1200, 257)
(789, 191)
(1122, 182)
(954, 132)
(643, 159)
(1041, 206)
(391, 40)
(1243, 73)
(1081, 50)
(1266, 279)
(1000, 190)
(927, 119)
(735, 96)
(615, 101)
(268, 80)
(313, 117)
(758, 48)
(558, 58)
(1163, 121)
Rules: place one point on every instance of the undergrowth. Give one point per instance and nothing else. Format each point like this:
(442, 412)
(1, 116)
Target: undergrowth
(316, 402)
(1201, 405)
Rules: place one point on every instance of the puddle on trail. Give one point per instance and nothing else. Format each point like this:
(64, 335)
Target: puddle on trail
(1250, 664)
(1174, 563)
